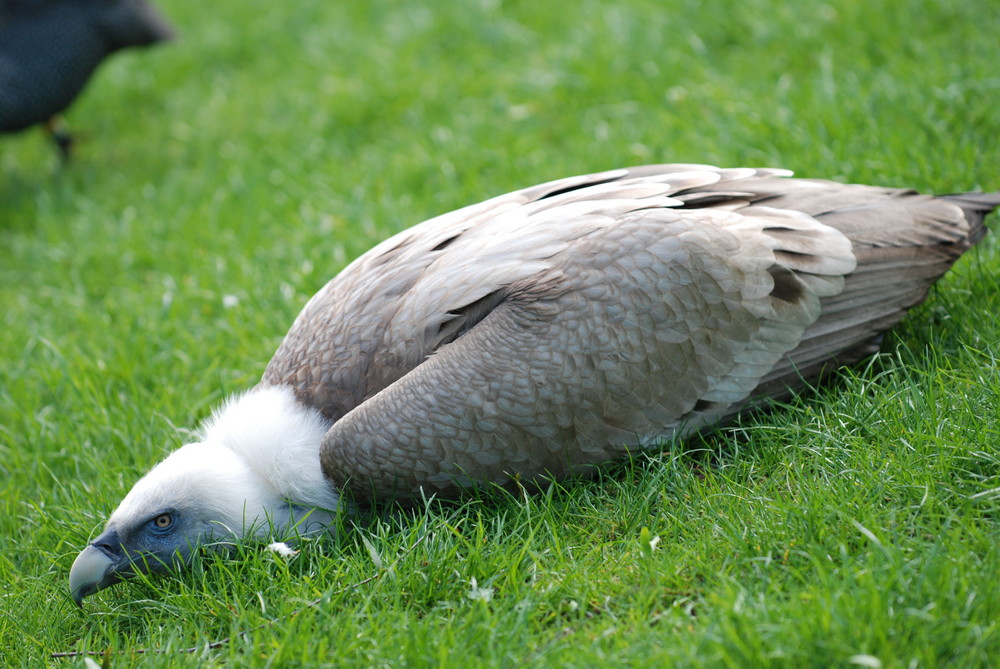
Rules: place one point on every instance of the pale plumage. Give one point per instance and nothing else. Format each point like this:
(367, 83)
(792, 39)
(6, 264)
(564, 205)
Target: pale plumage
(573, 319)
(549, 330)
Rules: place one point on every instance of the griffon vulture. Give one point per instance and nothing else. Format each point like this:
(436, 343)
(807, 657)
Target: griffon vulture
(539, 334)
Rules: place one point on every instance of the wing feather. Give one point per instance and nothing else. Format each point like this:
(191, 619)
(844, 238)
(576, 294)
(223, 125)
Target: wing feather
(552, 328)
(571, 368)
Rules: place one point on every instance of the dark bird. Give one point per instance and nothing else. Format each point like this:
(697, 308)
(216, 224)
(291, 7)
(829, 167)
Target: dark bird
(50, 48)
(540, 334)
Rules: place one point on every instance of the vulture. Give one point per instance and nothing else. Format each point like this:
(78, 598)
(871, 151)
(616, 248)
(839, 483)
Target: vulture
(538, 335)
(50, 48)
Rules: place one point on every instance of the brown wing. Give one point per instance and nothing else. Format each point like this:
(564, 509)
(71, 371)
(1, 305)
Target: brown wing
(545, 330)
(657, 321)
(402, 300)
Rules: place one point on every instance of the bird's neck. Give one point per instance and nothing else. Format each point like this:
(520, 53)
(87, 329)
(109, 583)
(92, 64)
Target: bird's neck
(279, 439)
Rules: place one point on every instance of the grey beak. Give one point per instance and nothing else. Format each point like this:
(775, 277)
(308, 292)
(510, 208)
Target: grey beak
(95, 568)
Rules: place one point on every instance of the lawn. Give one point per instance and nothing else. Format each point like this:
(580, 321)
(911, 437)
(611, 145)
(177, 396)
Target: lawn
(222, 179)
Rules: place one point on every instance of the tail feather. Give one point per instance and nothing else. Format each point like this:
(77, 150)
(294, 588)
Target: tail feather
(976, 207)
(903, 242)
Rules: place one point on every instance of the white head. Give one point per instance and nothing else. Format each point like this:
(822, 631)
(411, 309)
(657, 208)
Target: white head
(255, 472)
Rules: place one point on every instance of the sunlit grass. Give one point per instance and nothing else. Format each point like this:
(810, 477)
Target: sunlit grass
(221, 179)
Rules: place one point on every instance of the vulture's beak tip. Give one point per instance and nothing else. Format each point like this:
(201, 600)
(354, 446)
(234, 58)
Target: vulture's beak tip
(92, 570)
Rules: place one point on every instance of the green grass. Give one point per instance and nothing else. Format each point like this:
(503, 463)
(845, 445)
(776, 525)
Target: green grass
(274, 142)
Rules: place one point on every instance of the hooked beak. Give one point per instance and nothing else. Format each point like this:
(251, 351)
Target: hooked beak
(97, 566)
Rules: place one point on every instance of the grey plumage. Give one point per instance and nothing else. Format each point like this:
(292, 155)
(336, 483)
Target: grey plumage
(546, 330)
(542, 333)
(50, 48)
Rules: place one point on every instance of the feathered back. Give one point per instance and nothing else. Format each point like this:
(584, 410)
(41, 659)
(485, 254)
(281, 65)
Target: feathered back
(550, 329)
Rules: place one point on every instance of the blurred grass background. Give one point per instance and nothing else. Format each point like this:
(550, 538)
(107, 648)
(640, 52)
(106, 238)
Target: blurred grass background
(222, 179)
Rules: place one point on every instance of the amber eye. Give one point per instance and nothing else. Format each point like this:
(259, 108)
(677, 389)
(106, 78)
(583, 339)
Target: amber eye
(163, 521)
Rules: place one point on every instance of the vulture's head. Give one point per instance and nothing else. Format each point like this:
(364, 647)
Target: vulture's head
(255, 473)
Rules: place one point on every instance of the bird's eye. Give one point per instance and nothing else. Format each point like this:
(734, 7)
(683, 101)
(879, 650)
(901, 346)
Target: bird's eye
(163, 521)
